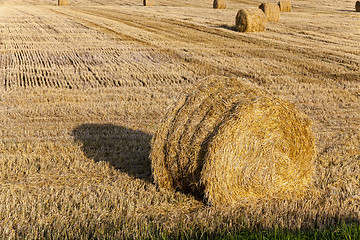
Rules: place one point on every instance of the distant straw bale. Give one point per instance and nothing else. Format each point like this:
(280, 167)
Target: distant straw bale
(250, 20)
(227, 140)
(149, 2)
(357, 6)
(284, 5)
(63, 2)
(219, 4)
(271, 10)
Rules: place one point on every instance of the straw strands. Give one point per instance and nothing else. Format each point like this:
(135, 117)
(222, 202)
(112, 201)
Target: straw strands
(284, 5)
(219, 4)
(272, 11)
(227, 140)
(250, 20)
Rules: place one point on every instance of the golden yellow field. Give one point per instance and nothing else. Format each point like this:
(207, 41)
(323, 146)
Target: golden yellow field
(83, 88)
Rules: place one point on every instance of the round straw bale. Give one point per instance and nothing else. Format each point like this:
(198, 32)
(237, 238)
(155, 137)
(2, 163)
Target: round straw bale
(227, 140)
(284, 5)
(357, 6)
(250, 20)
(63, 2)
(271, 10)
(149, 2)
(219, 4)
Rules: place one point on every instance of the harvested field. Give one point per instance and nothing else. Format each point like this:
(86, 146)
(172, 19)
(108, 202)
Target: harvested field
(83, 88)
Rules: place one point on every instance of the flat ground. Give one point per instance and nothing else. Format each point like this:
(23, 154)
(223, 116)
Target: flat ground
(83, 87)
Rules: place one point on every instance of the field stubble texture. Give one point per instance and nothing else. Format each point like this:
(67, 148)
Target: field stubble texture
(76, 116)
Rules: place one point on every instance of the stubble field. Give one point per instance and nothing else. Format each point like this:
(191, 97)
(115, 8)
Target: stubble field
(83, 87)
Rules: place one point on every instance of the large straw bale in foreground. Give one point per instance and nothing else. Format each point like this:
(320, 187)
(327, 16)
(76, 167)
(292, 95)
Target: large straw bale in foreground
(227, 140)
(219, 4)
(271, 10)
(250, 20)
(63, 2)
(149, 2)
(357, 6)
(284, 5)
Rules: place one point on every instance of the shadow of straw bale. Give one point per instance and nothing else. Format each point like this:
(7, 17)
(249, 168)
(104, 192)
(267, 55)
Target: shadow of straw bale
(225, 26)
(125, 149)
(346, 10)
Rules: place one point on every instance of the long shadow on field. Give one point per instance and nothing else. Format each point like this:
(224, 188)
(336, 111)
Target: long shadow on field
(225, 26)
(125, 149)
(346, 10)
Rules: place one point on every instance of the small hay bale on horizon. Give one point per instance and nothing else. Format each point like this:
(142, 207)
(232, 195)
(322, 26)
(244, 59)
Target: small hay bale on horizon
(219, 4)
(271, 10)
(227, 140)
(284, 5)
(357, 6)
(149, 3)
(63, 2)
(250, 20)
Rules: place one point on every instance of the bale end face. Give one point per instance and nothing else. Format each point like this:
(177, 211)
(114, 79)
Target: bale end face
(357, 6)
(284, 5)
(250, 20)
(264, 149)
(272, 11)
(219, 4)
